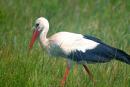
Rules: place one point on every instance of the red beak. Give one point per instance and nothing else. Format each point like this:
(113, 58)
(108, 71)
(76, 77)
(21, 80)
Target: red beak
(34, 37)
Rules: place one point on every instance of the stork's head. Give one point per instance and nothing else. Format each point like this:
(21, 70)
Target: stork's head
(41, 25)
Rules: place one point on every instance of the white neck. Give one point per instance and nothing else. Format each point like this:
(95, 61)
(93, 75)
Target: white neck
(43, 39)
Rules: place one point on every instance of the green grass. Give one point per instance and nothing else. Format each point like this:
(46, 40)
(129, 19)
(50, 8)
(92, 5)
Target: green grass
(108, 20)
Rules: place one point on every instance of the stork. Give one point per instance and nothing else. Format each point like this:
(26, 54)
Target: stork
(77, 47)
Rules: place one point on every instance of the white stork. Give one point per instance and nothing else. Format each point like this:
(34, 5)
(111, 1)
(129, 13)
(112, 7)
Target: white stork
(77, 47)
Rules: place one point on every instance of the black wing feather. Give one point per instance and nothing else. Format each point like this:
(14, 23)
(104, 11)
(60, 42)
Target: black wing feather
(102, 53)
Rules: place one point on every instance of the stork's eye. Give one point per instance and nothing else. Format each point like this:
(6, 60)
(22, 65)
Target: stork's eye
(37, 25)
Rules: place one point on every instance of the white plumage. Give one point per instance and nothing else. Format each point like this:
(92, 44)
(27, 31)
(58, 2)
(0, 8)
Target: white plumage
(69, 42)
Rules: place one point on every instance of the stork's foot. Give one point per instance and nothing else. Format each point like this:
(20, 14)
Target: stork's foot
(90, 74)
(62, 83)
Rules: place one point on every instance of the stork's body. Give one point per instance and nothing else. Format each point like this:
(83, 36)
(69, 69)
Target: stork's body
(63, 43)
(76, 47)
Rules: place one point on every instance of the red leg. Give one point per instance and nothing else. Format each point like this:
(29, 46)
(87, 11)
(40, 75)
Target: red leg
(89, 73)
(65, 76)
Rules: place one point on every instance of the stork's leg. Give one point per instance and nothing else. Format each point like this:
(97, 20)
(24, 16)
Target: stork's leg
(66, 73)
(65, 76)
(40, 44)
(75, 69)
(89, 73)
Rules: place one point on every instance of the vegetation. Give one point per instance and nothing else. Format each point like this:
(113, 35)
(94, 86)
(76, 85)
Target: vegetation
(108, 20)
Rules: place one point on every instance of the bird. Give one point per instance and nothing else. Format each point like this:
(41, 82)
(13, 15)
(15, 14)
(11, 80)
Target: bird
(75, 47)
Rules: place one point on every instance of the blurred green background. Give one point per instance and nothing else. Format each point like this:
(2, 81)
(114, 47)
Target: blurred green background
(108, 20)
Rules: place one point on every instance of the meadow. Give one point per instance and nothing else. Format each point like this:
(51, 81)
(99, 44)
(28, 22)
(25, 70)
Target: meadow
(108, 20)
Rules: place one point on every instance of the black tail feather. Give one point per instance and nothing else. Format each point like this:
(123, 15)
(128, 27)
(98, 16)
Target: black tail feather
(122, 56)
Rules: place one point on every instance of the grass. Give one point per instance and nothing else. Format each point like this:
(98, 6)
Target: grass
(106, 19)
